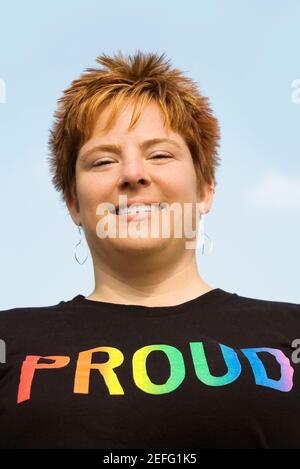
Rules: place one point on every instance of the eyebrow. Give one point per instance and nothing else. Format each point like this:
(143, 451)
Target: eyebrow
(117, 148)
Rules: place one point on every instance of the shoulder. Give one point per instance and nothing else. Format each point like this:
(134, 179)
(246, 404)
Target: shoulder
(268, 307)
(27, 312)
(268, 303)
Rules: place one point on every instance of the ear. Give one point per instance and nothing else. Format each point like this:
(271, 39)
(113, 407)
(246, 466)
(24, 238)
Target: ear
(206, 194)
(72, 203)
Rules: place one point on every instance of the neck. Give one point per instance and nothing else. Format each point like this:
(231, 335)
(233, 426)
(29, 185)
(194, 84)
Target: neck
(152, 282)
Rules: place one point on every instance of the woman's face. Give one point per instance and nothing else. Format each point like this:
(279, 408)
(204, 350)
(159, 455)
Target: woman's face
(162, 172)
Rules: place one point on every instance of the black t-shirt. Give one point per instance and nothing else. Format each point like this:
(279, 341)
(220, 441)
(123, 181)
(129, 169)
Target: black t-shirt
(218, 371)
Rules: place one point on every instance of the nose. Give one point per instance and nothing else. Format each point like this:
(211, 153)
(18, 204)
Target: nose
(133, 173)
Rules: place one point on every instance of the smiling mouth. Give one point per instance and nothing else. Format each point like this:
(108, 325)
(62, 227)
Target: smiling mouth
(142, 210)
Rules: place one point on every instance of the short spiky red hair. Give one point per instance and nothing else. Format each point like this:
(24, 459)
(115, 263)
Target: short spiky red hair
(142, 77)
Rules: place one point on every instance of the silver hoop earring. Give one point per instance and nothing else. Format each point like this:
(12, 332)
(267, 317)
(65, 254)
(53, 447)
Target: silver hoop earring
(201, 243)
(79, 247)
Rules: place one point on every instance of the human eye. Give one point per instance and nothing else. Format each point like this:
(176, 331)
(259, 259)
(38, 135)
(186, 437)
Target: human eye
(160, 155)
(102, 162)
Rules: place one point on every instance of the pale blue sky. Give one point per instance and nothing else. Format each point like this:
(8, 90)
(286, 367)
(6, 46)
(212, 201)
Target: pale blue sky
(244, 55)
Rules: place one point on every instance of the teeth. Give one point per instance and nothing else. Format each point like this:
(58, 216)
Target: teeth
(138, 209)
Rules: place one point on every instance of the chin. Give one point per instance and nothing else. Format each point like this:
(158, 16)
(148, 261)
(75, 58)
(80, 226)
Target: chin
(141, 245)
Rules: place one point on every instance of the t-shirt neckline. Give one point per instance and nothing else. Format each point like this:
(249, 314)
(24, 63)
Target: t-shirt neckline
(216, 294)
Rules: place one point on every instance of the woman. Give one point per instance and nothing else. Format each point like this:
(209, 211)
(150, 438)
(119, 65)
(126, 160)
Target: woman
(154, 357)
